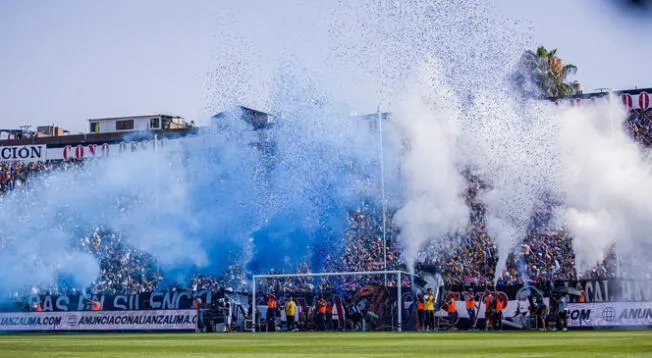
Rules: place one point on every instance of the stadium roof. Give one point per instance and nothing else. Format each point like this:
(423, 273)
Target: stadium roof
(604, 92)
(135, 117)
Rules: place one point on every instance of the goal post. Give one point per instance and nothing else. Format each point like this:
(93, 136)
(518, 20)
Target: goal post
(399, 275)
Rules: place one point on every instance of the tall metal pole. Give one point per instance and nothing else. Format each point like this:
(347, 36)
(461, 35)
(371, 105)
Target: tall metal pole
(253, 306)
(156, 195)
(611, 111)
(612, 133)
(380, 136)
(382, 189)
(157, 177)
(400, 303)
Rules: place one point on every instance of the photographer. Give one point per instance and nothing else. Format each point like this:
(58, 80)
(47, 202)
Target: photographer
(421, 313)
(451, 308)
(356, 317)
(489, 308)
(225, 305)
(558, 305)
(539, 310)
(471, 308)
(196, 304)
(497, 318)
(321, 313)
(270, 317)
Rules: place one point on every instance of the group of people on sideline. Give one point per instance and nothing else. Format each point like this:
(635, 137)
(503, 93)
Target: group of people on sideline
(494, 304)
(324, 315)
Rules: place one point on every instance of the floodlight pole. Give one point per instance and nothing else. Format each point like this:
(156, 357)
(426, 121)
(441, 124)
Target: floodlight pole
(253, 306)
(610, 96)
(379, 63)
(157, 175)
(157, 198)
(382, 188)
(612, 127)
(400, 302)
(611, 110)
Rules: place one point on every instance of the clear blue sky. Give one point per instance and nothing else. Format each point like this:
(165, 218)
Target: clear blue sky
(66, 61)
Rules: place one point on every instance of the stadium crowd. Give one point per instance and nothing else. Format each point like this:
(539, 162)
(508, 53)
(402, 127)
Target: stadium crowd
(465, 258)
(639, 126)
(13, 174)
(364, 241)
(16, 174)
(123, 269)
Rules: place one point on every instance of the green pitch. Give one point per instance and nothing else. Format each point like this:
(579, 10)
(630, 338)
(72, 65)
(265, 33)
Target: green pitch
(330, 344)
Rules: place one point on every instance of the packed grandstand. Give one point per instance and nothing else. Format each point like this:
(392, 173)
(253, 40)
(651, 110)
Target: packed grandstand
(546, 252)
(131, 279)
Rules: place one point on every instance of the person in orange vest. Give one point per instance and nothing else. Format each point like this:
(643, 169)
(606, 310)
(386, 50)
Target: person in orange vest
(421, 313)
(196, 304)
(95, 305)
(451, 309)
(489, 305)
(471, 307)
(37, 307)
(329, 315)
(498, 313)
(270, 317)
(321, 313)
(582, 297)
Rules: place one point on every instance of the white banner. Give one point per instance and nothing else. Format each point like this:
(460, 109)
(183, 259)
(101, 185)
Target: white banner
(609, 314)
(101, 150)
(33, 153)
(99, 321)
(512, 308)
(23, 153)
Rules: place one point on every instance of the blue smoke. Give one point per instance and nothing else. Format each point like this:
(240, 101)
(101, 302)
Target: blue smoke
(199, 205)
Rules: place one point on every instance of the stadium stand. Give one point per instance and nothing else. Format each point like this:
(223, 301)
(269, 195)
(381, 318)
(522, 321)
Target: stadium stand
(545, 253)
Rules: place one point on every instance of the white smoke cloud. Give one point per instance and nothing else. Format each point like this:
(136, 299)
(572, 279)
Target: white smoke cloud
(508, 143)
(434, 200)
(605, 183)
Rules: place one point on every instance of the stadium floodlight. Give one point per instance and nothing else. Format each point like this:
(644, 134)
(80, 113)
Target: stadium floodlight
(399, 293)
(157, 201)
(382, 188)
(612, 127)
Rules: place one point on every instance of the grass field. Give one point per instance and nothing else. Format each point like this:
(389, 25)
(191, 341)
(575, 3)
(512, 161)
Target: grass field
(329, 344)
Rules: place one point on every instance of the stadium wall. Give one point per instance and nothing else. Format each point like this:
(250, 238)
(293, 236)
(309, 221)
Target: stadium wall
(159, 300)
(598, 315)
(610, 315)
(154, 320)
(586, 316)
(41, 152)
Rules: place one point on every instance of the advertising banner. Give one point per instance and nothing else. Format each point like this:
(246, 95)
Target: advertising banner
(79, 152)
(41, 152)
(610, 314)
(158, 300)
(23, 153)
(99, 321)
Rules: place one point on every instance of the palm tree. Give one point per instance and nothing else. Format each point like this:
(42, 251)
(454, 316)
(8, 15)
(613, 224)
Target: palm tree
(546, 71)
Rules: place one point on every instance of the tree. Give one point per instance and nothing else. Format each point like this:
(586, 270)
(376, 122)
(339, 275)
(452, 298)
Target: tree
(542, 73)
